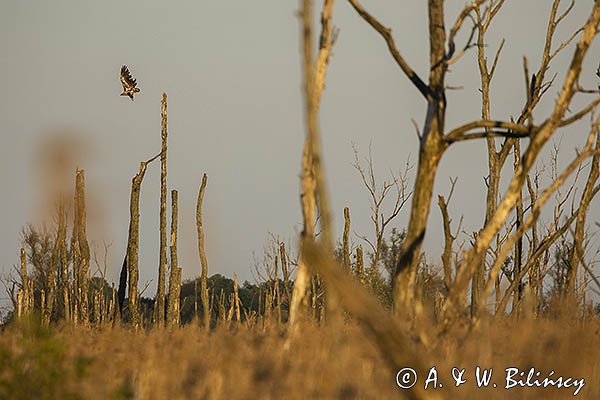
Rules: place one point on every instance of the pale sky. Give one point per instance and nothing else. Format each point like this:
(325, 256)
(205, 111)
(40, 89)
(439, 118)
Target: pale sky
(231, 70)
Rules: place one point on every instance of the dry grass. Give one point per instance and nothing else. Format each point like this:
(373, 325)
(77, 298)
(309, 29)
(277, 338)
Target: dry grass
(247, 363)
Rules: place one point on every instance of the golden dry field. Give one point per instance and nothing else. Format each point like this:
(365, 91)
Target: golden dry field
(240, 362)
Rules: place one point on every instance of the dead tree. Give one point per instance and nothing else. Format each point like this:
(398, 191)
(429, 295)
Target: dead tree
(25, 291)
(587, 152)
(449, 238)
(175, 276)
(82, 247)
(276, 288)
(536, 87)
(576, 256)
(377, 197)
(236, 299)
(434, 140)
(202, 254)
(539, 136)
(495, 159)
(346, 240)
(53, 275)
(360, 271)
(285, 271)
(133, 242)
(61, 250)
(159, 308)
(312, 176)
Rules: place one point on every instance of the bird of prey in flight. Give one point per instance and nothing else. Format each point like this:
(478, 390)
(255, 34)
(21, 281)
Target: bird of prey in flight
(129, 84)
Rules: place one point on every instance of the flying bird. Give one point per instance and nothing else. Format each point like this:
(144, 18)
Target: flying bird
(129, 84)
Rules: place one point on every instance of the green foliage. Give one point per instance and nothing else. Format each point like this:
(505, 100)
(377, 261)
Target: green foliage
(33, 366)
(252, 297)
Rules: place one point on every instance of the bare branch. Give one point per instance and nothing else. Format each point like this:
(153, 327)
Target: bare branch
(577, 116)
(386, 33)
(588, 151)
(455, 134)
(487, 134)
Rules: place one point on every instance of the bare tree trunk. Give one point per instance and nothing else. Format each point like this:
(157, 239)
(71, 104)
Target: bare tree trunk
(202, 254)
(159, 308)
(276, 289)
(222, 312)
(112, 306)
(448, 242)
(431, 149)
(495, 160)
(24, 302)
(577, 254)
(175, 277)
(285, 271)
(43, 303)
(61, 242)
(83, 246)
(96, 311)
(133, 243)
(76, 256)
(309, 208)
(360, 270)
(313, 180)
(538, 139)
(195, 298)
(587, 152)
(53, 273)
(346, 241)
(534, 270)
(231, 310)
(518, 262)
(430, 154)
(236, 298)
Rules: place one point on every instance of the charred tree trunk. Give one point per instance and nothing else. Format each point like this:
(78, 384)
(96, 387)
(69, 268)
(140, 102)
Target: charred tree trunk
(122, 286)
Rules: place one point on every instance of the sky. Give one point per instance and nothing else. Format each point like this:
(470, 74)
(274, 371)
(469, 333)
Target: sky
(231, 70)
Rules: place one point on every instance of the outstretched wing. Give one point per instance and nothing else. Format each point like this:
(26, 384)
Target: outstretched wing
(126, 79)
